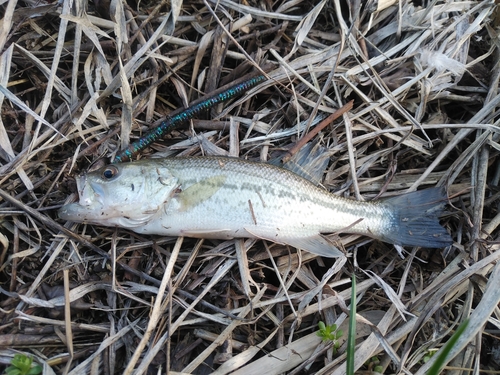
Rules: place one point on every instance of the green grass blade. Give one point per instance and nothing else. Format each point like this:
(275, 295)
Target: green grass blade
(441, 358)
(351, 336)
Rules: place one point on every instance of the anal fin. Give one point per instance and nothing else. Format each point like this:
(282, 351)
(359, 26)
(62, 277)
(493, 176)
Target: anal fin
(316, 244)
(221, 234)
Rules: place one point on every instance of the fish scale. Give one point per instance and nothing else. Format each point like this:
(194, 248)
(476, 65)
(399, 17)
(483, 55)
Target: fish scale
(274, 194)
(218, 197)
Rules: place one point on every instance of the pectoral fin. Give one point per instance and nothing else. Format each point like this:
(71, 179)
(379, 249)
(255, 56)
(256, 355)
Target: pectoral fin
(316, 244)
(199, 192)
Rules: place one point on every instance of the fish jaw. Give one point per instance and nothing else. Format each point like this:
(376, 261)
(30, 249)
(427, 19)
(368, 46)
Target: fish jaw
(91, 207)
(120, 199)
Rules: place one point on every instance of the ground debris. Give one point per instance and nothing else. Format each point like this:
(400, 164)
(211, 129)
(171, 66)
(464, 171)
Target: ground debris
(80, 83)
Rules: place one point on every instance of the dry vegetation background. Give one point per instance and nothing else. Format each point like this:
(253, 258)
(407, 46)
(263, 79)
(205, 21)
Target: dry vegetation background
(79, 80)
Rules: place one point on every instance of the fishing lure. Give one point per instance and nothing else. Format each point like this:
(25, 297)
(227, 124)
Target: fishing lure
(189, 113)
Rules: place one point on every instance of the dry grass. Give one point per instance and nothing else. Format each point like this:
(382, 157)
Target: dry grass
(78, 85)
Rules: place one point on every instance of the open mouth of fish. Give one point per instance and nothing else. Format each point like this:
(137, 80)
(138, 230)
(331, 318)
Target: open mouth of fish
(90, 199)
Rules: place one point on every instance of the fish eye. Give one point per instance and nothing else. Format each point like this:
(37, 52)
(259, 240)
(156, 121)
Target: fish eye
(109, 172)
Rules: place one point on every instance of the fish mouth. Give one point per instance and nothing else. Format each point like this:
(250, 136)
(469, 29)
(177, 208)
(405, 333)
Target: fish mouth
(86, 196)
(89, 202)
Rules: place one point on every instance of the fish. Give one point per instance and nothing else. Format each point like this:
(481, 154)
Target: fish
(226, 198)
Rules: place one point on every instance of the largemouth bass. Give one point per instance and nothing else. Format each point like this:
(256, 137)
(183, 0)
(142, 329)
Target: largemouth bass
(223, 198)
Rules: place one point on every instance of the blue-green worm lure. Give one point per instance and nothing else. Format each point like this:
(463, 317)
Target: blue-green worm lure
(181, 118)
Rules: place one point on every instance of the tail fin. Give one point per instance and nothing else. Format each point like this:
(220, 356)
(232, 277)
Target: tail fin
(416, 219)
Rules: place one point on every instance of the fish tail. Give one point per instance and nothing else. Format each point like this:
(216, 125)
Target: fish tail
(416, 219)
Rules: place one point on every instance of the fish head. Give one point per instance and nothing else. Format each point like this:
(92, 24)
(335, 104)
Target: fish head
(127, 195)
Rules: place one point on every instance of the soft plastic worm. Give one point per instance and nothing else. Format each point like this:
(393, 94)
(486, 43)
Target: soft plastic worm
(189, 113)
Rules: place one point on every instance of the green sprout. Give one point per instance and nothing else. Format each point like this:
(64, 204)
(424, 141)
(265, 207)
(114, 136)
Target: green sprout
(23, 365)
(373, 364)
(330, 333)
(430, 353)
